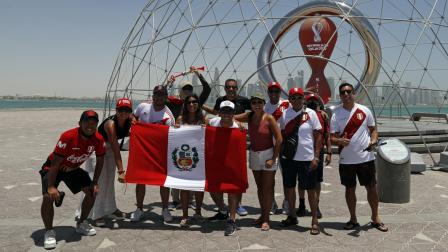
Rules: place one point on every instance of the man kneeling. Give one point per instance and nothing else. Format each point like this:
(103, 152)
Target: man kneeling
(73, 148)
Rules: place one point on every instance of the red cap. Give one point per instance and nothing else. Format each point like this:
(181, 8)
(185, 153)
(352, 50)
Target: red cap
(124, 103)
(312, 96)
(274, 84)
(296, 91)
(88, 114)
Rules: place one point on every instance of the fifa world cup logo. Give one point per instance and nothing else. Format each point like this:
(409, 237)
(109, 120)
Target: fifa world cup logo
(318, 36)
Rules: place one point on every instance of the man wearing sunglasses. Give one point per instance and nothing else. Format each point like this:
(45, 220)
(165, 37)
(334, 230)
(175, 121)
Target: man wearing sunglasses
(155, 113)
(353, 129)
(275, 106)
(302, 167)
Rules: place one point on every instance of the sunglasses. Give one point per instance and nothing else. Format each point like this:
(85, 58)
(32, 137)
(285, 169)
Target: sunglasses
(188, 88)
(343, 92)
(124, 110)
(192, 102)
(293, 98)
(231, 87)
(256, 102)
(226, 111)
(275, 91)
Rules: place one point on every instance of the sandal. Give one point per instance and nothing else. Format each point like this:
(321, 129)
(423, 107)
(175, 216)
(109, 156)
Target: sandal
(257, 222)
(289, 221)
(351, 225)
(315, 229)
(265, 226)
(380, 226)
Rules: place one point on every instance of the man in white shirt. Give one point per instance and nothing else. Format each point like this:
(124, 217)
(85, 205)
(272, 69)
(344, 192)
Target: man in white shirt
(353, 129)
(303, 166)
(156, 113)
(275, 106)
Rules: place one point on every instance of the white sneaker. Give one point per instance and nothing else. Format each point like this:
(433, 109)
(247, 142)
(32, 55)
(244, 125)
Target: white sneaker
(285, 207)
(136, 215)
(84, 228)
(50, 239)
(167, 215)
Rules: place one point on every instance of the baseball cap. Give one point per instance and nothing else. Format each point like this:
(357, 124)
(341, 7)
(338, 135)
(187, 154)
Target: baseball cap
(312, 96)
(295, 91)
(227, 104)
(257, 96)
(160, 90)
(274, 84)
(186, 84)
(89, 114)
(124, 103)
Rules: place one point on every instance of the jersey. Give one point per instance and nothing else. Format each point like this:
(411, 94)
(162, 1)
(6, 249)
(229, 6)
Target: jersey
(353, 153)
(146, 113)
(75, 149)
(305, 147)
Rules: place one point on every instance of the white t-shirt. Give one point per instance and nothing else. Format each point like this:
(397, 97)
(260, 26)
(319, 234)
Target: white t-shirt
(216, 122)
(353, 153)
(305, 148)
(146, 113)
(270, 108)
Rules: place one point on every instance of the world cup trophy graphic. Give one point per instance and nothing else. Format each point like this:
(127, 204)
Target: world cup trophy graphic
(318, 37)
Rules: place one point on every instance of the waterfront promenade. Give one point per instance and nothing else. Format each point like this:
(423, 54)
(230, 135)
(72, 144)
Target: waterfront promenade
(27, 137)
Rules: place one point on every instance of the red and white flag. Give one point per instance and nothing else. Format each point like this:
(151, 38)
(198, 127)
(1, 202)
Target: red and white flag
(189, 158)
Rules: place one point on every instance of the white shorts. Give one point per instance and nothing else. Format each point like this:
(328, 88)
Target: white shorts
(257, 160)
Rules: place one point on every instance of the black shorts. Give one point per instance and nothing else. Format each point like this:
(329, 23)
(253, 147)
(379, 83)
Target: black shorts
(293, 171)
(75, 180)
(320, 167)
(365, 171)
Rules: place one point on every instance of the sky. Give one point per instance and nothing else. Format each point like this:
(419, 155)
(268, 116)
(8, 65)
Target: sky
(68, 48)
(62, 47)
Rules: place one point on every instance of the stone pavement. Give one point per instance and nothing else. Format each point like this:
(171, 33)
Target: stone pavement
(27, 137)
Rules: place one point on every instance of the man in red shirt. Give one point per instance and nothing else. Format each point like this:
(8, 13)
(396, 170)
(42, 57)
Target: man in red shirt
(73, 148)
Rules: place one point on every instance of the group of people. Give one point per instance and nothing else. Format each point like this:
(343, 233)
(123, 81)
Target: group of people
(293, 135)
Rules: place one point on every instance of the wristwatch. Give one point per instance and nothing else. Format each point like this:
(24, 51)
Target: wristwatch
(316, 158)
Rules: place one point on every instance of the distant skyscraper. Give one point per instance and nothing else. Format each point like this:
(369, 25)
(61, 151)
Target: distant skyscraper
(334, 95)
(214, 85)
(299, 79)
(290, 83)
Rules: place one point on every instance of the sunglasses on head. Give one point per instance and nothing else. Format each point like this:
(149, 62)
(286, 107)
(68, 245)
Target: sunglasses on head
(231, 87)
(347, 91)
(274, 90)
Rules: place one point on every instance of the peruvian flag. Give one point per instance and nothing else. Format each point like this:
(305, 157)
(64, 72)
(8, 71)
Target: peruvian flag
(190, 158)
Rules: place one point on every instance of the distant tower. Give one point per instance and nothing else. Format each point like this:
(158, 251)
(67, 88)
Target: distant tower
(214, 85)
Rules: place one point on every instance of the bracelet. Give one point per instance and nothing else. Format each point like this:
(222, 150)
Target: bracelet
(120, 172)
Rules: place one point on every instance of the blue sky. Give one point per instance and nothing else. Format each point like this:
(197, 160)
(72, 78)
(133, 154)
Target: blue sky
(61, 47)
(68, 48)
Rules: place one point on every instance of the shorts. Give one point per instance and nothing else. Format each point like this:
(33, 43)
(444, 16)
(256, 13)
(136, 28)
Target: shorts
(320, 167)
(257, 160)
(75, 180)
(300, 171)
(365, 171)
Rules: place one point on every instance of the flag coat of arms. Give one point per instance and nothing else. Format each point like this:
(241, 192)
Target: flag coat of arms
(189, 158)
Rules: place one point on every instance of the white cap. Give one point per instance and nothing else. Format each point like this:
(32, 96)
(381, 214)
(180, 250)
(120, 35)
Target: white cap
(227, 104)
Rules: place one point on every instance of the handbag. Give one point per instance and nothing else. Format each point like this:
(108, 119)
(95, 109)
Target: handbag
(290, 143)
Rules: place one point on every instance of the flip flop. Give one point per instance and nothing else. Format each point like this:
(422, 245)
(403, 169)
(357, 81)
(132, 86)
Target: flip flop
(315, 230)
(380, 226)
(351, 225)
(257, 222)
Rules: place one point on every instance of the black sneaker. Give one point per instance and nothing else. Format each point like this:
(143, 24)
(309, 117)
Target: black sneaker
(289, 221)
(58, 202)
(230, 228)
(219, 216)
(319, 214)
(301, 211)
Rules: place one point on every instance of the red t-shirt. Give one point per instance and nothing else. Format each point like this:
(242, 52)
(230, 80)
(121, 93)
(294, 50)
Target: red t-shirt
(76, 149)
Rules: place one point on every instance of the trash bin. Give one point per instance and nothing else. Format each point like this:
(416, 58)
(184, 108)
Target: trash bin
(393, 171)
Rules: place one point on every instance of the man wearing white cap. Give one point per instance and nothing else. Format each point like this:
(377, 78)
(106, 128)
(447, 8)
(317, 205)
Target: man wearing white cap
(226, 120)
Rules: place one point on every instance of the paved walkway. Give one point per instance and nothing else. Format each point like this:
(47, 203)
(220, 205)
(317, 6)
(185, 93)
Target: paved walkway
(27, 137)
